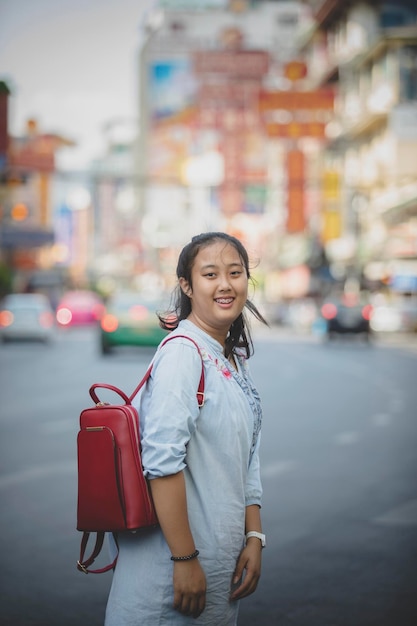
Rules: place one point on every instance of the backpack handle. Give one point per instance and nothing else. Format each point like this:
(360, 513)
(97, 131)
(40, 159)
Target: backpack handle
(97, 400)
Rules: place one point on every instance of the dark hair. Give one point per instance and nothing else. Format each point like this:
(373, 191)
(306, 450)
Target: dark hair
(239, 335)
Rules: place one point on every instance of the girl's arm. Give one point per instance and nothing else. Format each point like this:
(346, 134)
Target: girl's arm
(170, 501)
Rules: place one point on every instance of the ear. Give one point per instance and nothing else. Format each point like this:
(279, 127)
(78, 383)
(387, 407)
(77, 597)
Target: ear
(185, 286)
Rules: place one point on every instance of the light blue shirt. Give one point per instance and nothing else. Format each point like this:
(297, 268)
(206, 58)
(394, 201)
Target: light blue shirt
(222, 438)
(217, 448)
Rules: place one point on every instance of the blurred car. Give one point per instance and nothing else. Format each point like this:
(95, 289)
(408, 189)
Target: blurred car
(26, 316)
(79, 308)
(130, 320)
(347, 314)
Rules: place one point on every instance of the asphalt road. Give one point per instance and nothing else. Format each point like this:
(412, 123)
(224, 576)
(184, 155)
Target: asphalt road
(339, 472)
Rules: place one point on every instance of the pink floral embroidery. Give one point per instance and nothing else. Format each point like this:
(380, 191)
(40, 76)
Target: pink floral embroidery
(225, 371)
(221, 367)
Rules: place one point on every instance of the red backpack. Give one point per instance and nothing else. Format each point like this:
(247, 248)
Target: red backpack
(113, 493)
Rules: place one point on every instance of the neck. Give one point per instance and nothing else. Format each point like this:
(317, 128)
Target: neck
(216, 333)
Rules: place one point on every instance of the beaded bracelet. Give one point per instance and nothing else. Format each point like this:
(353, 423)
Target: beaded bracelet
(186, 558)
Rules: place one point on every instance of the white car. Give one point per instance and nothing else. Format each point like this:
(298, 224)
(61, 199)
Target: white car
(26, 316)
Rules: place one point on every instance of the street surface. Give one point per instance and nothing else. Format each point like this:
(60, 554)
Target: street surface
(339, 459)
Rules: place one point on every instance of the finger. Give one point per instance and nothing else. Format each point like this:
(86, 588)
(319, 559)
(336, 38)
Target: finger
(191, 606)
(198, 604)
(201, 605)
(247, 587)
(238, 573)
(197, 609)
(177, 601)
(185, 607)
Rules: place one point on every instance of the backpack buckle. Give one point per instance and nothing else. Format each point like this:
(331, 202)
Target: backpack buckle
(82, 567)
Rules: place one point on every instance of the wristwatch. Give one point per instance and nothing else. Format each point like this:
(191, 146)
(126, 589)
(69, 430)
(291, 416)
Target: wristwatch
(254, 533)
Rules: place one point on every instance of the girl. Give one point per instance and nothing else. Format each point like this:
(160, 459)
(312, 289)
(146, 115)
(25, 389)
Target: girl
(202, 463)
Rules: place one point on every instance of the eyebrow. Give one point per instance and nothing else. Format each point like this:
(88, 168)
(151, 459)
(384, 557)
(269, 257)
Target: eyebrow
(212, 265)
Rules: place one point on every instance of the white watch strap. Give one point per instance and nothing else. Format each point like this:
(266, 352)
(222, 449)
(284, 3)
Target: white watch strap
(254, 533)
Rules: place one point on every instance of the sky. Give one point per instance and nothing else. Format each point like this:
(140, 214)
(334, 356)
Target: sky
(72, 65)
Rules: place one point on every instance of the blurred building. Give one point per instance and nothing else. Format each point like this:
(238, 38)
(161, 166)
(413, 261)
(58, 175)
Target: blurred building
(366, 52)
(292, 125)
(117, 239)
(27, 167)
(205, 160)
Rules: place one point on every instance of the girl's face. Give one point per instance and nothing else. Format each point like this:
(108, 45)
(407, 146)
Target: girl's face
(220, 289)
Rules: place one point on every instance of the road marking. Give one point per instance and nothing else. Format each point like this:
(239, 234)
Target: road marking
(404, 515)
(347, 438)
(278, 468)
(39, 471)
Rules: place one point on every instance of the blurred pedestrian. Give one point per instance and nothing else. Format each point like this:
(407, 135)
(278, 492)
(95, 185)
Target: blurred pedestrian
(202, 463)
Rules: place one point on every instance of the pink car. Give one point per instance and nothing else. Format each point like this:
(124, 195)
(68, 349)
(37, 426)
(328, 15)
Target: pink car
(79, 308)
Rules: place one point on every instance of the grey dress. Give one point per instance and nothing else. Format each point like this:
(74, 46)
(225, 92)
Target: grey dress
(217, 448)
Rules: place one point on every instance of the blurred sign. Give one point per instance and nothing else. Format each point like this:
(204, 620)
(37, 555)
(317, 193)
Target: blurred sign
(295, 166)
(171, 103)
(331, 213)
(230, 119)
(222, 94)
(290, 100)
(33, 153)
(296, 129)
(241, 63)
(332, 225)
(331, 185)
(171, 87)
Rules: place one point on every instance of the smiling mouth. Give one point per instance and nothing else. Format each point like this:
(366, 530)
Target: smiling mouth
(224, 300)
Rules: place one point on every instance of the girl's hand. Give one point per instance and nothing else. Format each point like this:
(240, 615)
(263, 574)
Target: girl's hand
(250, 560)
(189, 588)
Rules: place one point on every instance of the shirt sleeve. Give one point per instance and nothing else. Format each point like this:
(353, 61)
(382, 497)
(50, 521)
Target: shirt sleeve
(253, 492)
(169, 409)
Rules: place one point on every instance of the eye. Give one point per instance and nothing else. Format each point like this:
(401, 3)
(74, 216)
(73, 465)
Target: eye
(209, 274)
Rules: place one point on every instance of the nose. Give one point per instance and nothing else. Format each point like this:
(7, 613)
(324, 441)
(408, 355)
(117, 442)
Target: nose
(224, 283)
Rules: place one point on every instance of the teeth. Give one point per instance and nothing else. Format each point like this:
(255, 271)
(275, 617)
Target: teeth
(224, 300)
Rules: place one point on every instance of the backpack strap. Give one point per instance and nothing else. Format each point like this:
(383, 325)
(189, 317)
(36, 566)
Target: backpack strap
(83, 564)
(200, 391)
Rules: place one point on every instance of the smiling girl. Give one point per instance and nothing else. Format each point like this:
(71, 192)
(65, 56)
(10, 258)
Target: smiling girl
(202, 463)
